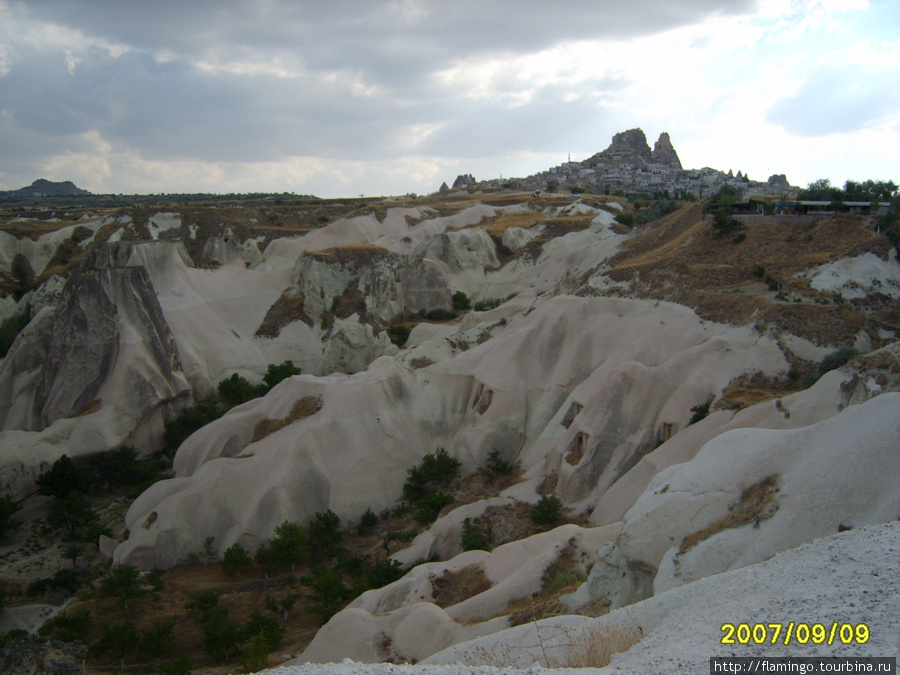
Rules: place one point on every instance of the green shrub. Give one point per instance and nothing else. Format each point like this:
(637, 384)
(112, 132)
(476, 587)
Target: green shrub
(547, 510)
(626, 219)
(10, 329)
(384, 572)
(440, 315)
(191, 419)
(836, 359)
(288, 546)
(460, 301)
(71, 627)
(701, 410)
(235, 559)
(277, 373)
(438, 468)
(656, 210)
(400, 510)
(759, 271)
(399, 334)
(495, 467)
(471, 538)
(724, 223)
(8, 524)
(429, 506)
(324, 535)
(367, 523)
(236, 389)
(328, 592)
(63, 478)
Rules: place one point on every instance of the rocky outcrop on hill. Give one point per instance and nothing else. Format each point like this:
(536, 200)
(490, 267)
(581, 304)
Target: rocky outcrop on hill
(627, 146)
(45, 188)
(464, 181)
(664, 153)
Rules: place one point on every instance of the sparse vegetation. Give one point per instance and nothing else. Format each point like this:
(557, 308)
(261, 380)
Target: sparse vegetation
(547, 510)
(756, 504)
(496, 467)
(10, 329)
(460, 301)
(837, 358)
(701, 410)
(471, 538)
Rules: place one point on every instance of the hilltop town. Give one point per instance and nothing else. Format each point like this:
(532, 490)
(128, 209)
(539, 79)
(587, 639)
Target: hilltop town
(629, 165)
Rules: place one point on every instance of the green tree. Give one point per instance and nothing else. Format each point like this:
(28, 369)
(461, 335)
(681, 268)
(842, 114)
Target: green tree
(471, 538)
(288, 546)
(122, 467)
(367, 523)
(328, 592)
(158, 641)
(8, 524)
(235, 559)
(701, 410)
(178, 666)
(837, 358)
(220, 633)
(821, 190)
(71, 513)
(119, 640)
(496, 467)
(547, 510)
(10, 328)
(235, 390)
(277, 373)
(191, 419)
(72, 626)
(63, 478)
(23, 273)
(124, 583)
(282, 606)
(384, 572)
(268, 626)
(325, 537)
(461, 301)
(429, 506)
(255, 653)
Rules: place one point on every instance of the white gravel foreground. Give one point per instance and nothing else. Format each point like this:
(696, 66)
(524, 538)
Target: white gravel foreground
(852, 577)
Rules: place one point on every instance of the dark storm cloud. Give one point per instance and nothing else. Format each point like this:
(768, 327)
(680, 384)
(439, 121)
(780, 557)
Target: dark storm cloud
(195, 80)
(836, 99)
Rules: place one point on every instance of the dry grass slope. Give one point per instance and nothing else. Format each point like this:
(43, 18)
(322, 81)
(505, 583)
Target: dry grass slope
(304, 407)
(756, 504)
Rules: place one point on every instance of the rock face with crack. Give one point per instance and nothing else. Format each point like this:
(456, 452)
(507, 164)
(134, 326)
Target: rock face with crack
(105, 356)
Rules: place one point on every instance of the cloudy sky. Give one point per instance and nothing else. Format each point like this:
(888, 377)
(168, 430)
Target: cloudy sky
(378, 97)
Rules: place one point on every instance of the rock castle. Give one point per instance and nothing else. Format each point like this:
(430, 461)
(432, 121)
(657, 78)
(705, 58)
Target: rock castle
(629, 165)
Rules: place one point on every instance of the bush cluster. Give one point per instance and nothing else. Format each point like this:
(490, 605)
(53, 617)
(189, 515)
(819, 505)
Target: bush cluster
(547, 510)
(420, 488)
(10, 329)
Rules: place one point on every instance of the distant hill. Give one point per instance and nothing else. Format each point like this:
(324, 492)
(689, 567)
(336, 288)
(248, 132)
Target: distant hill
(46, 188)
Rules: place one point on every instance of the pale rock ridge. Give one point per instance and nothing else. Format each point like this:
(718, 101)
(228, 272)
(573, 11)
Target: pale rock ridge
(403, 611)
(103, 359)
(510, 393)
(818, 491)
(852, 576)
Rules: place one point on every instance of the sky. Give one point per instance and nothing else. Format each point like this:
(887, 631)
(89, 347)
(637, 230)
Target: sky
(387, 97)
